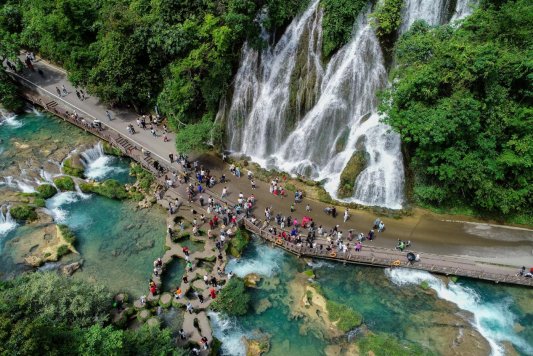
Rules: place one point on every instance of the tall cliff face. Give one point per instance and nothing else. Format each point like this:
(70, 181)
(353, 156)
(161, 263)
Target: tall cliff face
(291, 111)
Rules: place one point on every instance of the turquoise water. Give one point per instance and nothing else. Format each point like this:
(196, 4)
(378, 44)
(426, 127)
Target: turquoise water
(117, 242)
(392, 303)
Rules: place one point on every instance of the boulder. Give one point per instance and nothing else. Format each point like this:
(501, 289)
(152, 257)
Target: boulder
(143, 315)
(166, 300)
(69, 269)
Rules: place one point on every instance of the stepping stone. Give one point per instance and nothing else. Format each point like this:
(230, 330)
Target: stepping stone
(143, 315)
(153, 322)
(166, 300)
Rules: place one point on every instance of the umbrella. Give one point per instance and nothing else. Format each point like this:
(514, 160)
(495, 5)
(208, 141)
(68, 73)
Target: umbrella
(411, 256)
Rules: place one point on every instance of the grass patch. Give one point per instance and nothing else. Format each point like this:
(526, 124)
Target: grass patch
(111, 150)
(309, 273)
(424, 285)
(64, 183)
(345, 317)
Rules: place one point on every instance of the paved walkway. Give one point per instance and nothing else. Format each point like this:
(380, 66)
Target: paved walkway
(427, 232)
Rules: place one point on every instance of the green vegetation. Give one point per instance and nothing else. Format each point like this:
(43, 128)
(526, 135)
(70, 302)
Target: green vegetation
(64, 183)
(46, 191)
(345, 317)
(109, 188)
(338, 23)
(62, 251)
(309, 273)
(111, 150)
(39, 202)
(238, 243)
(9, 97)
(67, 233)
(349, 174)
(387, 345)
(387, 18)
(72, 169)
(461, 100)
(44, 313)
(23, 213)
(424, 285)
(233, 298)
(144, 178)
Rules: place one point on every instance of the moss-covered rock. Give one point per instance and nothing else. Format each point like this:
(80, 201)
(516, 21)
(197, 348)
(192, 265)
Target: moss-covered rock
(166, 300)
(109, 188)
(46, 191)
(73, 166)
(233, 299)
(153, 322)
(64, 183)
(354, 167)
(23, 213)
(111, 150)
(343, 316)
(143, 315)
(340, 144)
(238, 243)
(388, 345)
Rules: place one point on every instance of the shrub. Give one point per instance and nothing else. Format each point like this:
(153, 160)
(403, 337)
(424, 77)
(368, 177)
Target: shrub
(39, 202)
(233, 299)
(238, 243)
(62, 251)
(64, 183)
(23, 213)
(387, 17)
(46, 191)
(346, 317)
(144, 178)
(67, 233)
(111, 150)
(109, 188)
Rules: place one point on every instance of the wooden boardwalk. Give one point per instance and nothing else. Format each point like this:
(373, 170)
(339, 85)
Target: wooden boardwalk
(371, 256)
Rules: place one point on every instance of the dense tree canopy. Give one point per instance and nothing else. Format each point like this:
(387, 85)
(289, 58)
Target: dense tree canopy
(461, 100)
(46, 314)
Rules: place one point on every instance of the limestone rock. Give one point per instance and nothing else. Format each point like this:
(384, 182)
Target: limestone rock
(69, 269)
(251, 280)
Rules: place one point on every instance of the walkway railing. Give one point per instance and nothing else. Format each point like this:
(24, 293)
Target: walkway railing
(370, 255)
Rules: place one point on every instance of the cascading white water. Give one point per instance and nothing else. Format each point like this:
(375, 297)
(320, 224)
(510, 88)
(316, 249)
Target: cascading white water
(97, 164)
(290, 112)
(9, 119)
(495, 322)
(6, 221)
(431, 11)
(463, 9)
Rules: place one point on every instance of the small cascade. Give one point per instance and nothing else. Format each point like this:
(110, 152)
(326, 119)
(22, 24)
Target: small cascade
(432, 11)
(495, 322)
(6, 221)
(463, 9)
(47, 177)
(290, 111)
(79, 192)
(97, 164)
(9, 119)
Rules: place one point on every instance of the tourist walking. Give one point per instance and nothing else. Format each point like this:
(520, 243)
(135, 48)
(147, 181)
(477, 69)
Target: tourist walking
(224, 192)
(189, 307)
(108, 114)
(346, 215)
(65, 92)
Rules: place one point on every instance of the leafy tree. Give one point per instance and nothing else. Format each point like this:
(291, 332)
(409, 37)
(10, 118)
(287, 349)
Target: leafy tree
(9, 97)
(338, 23)
(461, 100)
(387, 18)
(195, 137)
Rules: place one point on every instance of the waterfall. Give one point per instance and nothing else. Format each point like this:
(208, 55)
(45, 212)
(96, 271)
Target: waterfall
(290, 111)
(6, 221)
(97, 164)
(463, 9)
(431, 11)
(9, 120)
